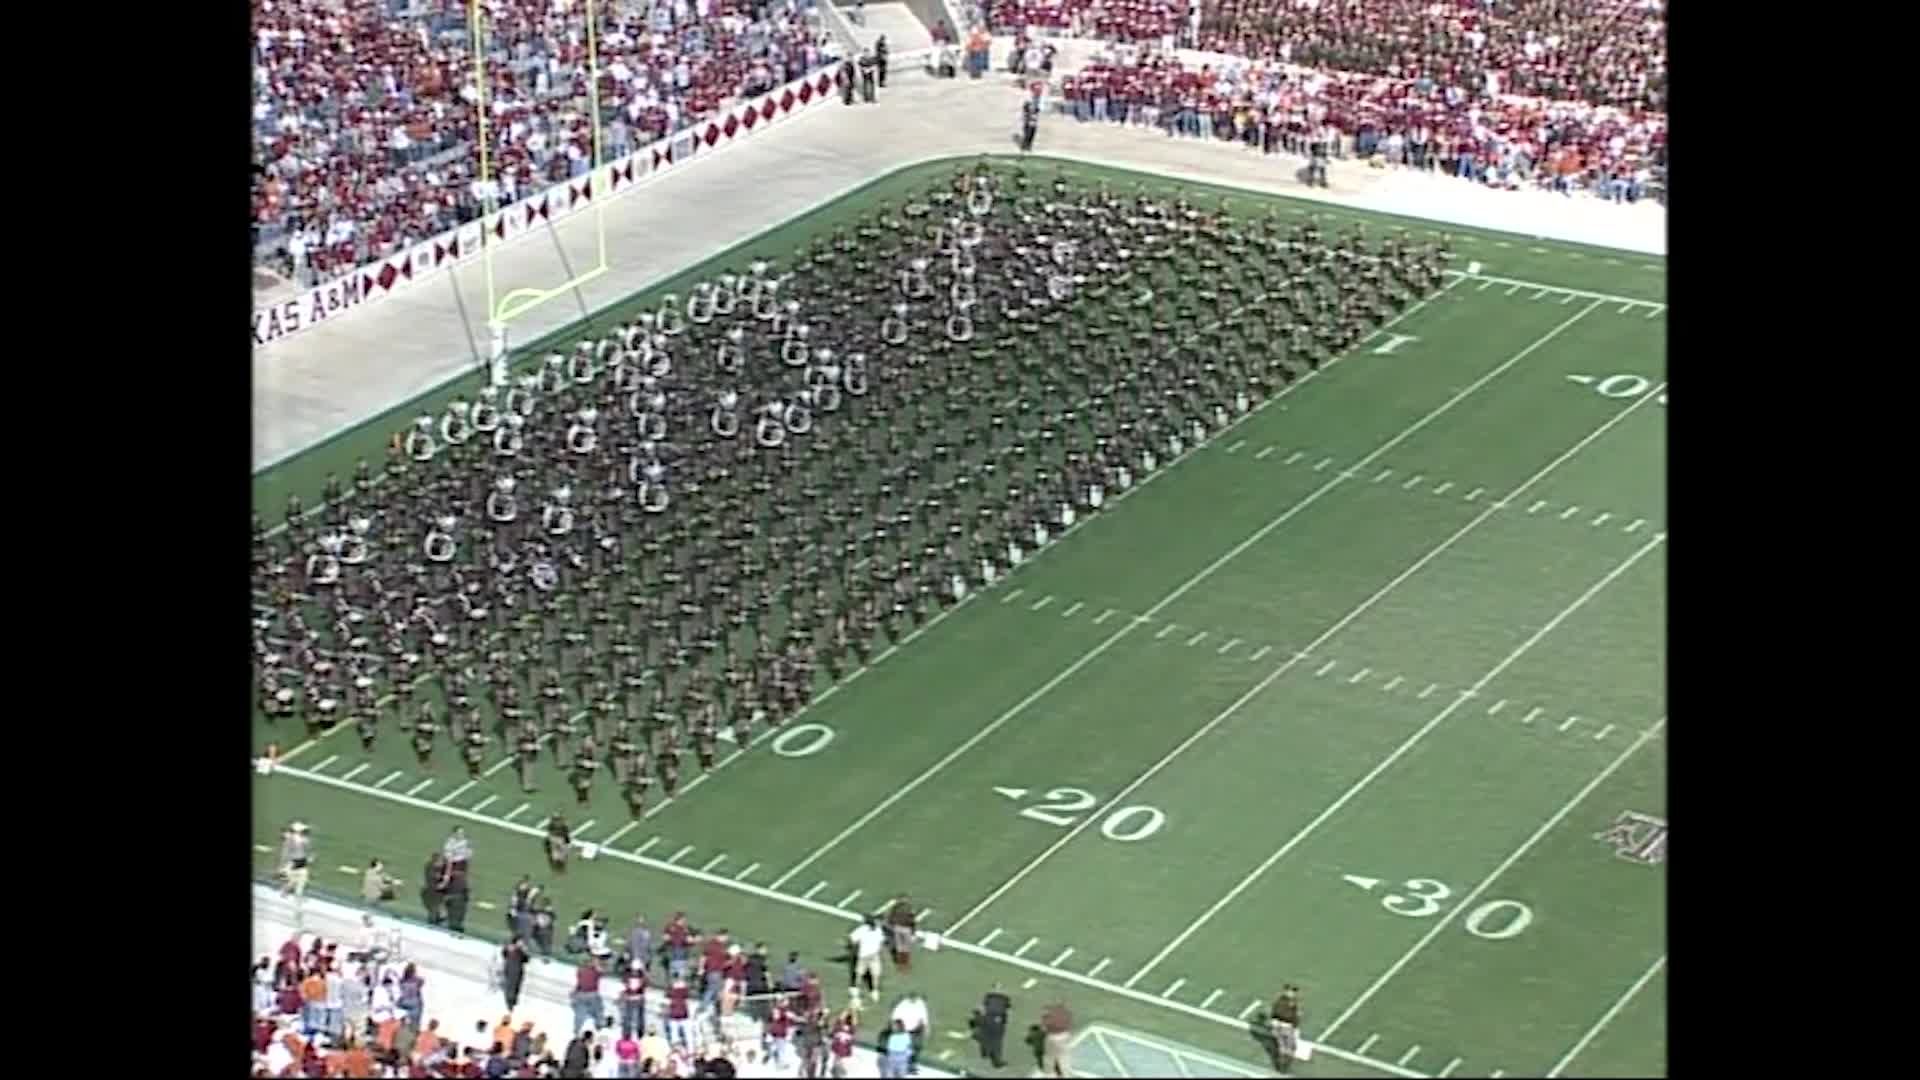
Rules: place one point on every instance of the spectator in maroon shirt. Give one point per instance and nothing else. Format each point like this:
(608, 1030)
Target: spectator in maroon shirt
(586, 995)
(713, 968)
(680, 1014)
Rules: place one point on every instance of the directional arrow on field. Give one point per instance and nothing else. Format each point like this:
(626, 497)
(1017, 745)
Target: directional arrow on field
(1363, 882)
(1584, 380)
(1012, 792)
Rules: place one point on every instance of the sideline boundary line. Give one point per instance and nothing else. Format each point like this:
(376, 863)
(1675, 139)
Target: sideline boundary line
(1037, 967)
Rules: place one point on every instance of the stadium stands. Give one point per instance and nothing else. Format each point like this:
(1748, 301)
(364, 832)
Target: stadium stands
(338, 1007)
(1114, 20)
(1603, 52)
(1505, 142)
(365, 135)
(1564, 95)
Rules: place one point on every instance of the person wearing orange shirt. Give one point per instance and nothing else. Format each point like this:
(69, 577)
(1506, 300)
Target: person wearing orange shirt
(313, 1000)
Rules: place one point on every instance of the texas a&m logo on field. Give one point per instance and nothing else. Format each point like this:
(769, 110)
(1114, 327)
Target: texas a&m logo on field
(1637, 837)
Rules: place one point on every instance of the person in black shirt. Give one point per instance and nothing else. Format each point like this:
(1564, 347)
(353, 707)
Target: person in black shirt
(880, 59)
(990, 1025)
(1029, 123)
(847, 77)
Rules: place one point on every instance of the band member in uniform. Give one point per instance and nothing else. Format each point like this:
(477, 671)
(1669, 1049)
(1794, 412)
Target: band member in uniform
(424, 729)
(559, 842)
(1283, 1024)
(475, 751)
(1029, 121)
(526, 754)
(367, 725)
(586, 761)
(901, 925)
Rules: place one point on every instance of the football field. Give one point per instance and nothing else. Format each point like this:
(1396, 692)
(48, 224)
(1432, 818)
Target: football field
(1365, 695)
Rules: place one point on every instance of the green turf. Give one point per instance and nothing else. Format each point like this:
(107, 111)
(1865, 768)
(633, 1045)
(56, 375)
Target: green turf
(1411, 582)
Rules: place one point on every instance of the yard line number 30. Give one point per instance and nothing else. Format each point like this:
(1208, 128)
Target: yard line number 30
(1126, 824)
(1495, 920)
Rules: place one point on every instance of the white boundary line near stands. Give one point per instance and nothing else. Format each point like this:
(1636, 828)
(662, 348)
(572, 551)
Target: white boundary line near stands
(1038, 967)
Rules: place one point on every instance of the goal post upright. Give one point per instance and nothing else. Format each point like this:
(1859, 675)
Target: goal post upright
(502, 310)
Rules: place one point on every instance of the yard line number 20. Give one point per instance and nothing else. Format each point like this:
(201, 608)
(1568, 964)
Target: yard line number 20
(1495, 920)
(1126, 824)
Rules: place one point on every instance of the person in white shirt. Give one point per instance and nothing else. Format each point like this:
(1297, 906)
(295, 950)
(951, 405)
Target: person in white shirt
(867, 941)
(911, 1014)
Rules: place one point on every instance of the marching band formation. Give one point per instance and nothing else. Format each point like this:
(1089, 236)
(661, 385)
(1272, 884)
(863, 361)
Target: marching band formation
(700, 518)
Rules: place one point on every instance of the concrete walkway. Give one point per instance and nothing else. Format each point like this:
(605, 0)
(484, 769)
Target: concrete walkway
(312, 385)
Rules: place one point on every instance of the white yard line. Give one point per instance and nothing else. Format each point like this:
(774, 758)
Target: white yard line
(619, 832)
(1325, 636)
(456, 792)
(818, 886)
(747, 873)
(1099, 967)
(1173, 597)
(1518, 853)
(1607, 1017)
(765, 893)
(1400, 751)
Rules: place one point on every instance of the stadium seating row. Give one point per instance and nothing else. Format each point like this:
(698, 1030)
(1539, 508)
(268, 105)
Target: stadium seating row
(366, 139)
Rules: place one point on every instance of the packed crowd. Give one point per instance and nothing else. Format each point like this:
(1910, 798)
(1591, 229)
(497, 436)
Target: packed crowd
(1603, 52)
(1565, 95)
(365, 136)
(1112, 20)
(1505, 142)
(359, 1009)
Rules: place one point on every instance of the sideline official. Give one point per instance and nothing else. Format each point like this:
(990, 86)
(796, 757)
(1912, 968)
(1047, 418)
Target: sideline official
(990, 1025)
